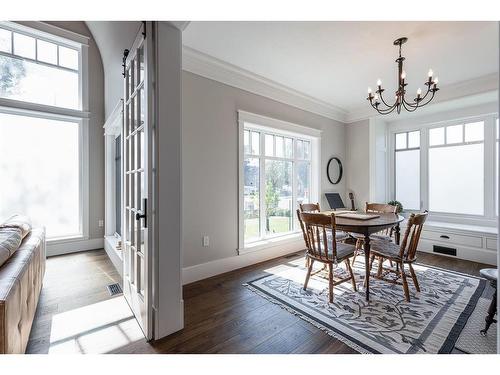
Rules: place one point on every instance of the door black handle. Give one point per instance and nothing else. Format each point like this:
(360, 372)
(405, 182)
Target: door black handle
(144, 214)
(444, 236)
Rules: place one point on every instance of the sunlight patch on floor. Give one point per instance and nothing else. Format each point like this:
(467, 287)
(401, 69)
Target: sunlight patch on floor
(97, 328)
(295, 271)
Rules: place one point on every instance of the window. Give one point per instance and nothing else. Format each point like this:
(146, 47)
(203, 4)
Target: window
(39, 165)
(445, 168)
(38, 71)
(118, 185)
(456, 169)
(43, 160)
(408, 169)
(277, 175)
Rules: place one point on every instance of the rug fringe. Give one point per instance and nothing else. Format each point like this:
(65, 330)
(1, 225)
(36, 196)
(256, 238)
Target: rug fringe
(311, 321)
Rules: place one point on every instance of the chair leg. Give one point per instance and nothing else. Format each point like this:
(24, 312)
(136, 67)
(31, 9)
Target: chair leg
(309, 270)
(355, 255)
(353, 280)
(330, 282)
(405, 283)
(380, 265)
(307, 261)
(414, 277)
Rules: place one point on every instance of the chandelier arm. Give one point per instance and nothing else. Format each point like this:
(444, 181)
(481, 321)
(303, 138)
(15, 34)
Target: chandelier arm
(416, 104)
(383, 101)
(409, 107)
(385, 111)
(429, 100)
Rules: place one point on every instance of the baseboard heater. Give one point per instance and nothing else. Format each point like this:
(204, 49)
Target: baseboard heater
(444, 250)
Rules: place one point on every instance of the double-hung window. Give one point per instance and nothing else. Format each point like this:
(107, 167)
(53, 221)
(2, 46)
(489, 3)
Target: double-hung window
(276, 175)
(43, 128)
(447, 168)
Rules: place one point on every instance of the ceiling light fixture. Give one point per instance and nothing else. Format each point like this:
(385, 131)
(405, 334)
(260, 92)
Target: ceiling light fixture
(378, 102)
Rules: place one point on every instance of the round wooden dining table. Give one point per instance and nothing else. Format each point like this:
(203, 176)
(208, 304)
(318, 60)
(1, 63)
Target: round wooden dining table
(367, 227)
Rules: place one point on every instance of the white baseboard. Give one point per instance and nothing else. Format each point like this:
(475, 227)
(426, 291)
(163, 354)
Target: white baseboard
(74, 246)
(480, 255)
(109, 247)
(216, 267)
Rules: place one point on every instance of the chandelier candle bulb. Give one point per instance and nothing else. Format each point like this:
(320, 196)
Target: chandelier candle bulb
(403, 75)
(431, 73)
(379, 83)
(369, 90)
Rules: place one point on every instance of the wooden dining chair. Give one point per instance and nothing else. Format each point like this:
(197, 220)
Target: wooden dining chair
(314, 207)
(406, 253)
(384, 235)
(322, 246)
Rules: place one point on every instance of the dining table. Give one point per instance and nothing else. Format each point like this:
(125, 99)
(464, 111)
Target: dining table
(357, 222)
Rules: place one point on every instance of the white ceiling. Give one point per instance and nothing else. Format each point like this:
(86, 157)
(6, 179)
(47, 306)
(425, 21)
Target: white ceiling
(335, 62)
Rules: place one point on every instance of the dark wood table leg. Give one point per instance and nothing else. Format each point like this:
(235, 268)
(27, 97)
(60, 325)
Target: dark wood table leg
(367, 266)
(397, 235)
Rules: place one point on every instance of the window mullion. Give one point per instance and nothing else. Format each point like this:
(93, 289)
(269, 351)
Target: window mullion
(262, 188)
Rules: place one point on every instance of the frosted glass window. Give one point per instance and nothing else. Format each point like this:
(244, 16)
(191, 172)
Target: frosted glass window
(300, 150)
(46, 52)
(401, 141)
(246, 142)
(436, 136)
(474, 132)
(37, 83)
(456, 179)
(5, 41)
(68, 58)
(279, 147)
(414, 139)
(255, 143)
(408, 178)
(269, 145)
(454, 134)
(288, 147)
(307, 150)
(39, 165)
(24, 46)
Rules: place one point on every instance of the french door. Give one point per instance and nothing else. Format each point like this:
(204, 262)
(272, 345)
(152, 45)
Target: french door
(137, 234)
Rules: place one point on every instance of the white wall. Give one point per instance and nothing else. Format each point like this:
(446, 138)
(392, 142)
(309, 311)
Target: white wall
(113, 37)
(210, 161)
(358, 161)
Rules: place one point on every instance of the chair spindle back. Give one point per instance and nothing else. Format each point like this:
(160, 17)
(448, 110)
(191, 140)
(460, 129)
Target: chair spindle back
(411, 238)
(381, 208)
(319, 234)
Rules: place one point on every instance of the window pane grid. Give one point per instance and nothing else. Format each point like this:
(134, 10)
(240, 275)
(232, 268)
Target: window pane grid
(276, 180)
(32, 48)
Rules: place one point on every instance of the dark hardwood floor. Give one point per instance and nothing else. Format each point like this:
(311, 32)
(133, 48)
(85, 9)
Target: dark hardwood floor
(221, 316)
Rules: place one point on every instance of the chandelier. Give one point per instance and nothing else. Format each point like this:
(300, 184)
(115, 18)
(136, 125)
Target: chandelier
(378, 102)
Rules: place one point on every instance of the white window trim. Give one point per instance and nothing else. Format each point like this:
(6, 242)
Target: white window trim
(489, 218)
(271, 125)
(112, 129)
(81, 115)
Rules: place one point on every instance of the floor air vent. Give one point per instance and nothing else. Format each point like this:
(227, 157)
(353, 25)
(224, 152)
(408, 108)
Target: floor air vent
(114, 289)
(444, 250)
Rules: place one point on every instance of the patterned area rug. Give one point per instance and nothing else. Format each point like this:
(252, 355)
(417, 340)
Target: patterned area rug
(430, 323)
(471, 341)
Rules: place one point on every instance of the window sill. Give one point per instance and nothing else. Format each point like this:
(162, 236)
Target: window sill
(271, 242)
(457, 228)
(112, 241)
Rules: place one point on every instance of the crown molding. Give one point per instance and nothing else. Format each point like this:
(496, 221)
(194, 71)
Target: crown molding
(465, 93)
(199, 63)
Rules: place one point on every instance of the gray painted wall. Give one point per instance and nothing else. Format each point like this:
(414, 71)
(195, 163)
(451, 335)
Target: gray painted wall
(96, 139)
(358, 161)
(210, 161)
